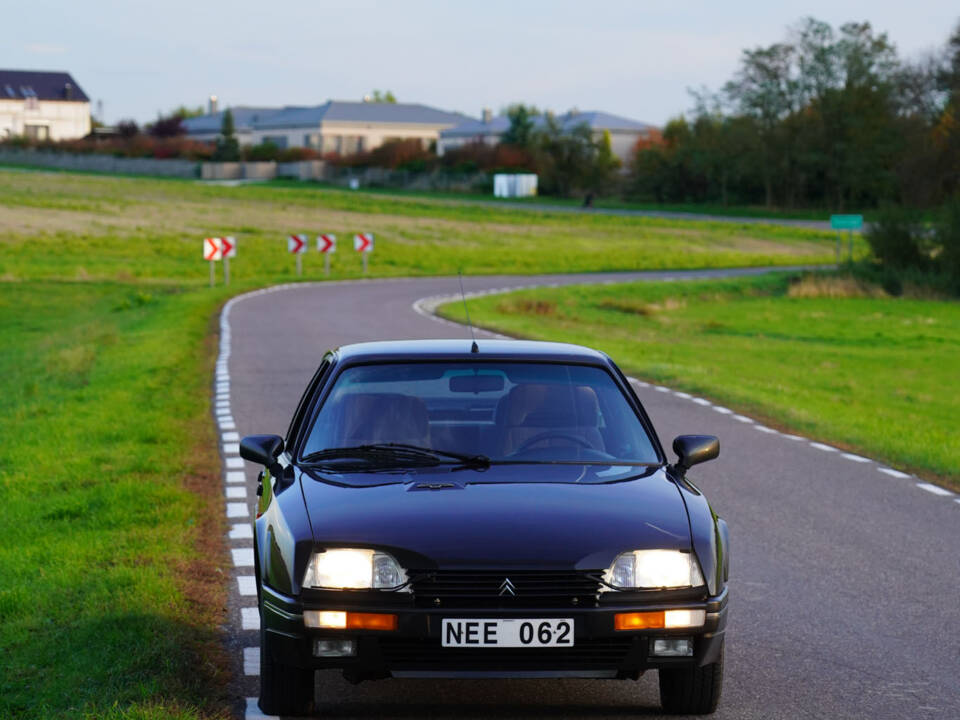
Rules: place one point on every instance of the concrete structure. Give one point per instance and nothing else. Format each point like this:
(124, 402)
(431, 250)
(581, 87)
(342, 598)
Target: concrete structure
(42, 106)
(624, 132)
(334, 127)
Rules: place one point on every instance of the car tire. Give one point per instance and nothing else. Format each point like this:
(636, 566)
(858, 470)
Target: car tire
(692, 691)
(284, 689)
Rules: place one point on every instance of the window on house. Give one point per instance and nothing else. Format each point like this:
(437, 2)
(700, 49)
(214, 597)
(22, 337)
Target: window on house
(36, 132)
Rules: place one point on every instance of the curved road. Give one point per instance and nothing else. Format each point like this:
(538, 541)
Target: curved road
(844, 581)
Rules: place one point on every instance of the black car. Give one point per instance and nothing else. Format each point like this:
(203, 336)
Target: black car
(497, 509)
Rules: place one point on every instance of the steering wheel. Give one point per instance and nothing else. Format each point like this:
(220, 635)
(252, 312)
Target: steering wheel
(553, 435)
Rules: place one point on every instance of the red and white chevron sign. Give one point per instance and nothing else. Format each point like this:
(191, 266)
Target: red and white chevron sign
(297, 244)
(228, 247)
(327, 243)
(363, 242)
(211, 249)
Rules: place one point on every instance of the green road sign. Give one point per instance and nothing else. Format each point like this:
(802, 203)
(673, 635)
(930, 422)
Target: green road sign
(846, 222)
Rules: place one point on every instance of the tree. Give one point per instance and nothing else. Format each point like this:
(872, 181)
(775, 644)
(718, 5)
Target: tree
(522, 120)
(765, 89)
(228, 149)
(128, 128)
(565, 158)
(169, 126)
(383, 97)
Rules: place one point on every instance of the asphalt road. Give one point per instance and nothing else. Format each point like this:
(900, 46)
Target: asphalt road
(845, 600)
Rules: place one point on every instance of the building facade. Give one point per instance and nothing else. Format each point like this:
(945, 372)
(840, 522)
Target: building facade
(42, 106)
(624, 132)
(336, 126)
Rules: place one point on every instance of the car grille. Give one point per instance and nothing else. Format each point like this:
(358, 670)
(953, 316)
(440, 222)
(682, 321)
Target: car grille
(488, 588)
(601, 654)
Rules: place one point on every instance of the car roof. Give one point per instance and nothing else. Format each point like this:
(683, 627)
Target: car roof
(504, 350)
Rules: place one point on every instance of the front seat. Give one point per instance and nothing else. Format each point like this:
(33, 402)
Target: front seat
(533, 409)
(373, 418)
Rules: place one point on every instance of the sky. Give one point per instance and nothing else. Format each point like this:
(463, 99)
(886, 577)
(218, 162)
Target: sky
(635, 59)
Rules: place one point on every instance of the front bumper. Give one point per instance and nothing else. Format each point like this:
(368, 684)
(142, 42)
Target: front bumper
(414, 648)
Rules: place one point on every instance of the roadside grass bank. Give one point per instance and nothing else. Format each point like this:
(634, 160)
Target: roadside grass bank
(89, 227)
(112, 594)
(833, 358)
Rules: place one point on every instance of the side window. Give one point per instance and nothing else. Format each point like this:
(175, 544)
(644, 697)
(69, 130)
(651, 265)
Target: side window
(304, 405)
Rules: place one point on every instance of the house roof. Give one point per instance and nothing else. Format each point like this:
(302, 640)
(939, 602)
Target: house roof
(244, 119)
(252, 118)
(23, 84)
(595, 120)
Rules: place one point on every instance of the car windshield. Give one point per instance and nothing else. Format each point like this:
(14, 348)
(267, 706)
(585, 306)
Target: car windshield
(476, 413)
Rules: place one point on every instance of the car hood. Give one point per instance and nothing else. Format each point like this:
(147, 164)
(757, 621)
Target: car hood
(507, 516)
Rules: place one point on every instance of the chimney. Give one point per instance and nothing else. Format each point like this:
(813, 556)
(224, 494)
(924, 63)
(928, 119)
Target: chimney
(68, 91)
(213, 104)
(487, 116)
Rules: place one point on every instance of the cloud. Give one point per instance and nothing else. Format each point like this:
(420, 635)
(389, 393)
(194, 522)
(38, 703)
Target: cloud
(45, 49)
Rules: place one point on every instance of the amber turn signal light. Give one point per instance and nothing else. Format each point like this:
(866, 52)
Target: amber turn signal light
(639, 620)
(371, 621)
(340, 620)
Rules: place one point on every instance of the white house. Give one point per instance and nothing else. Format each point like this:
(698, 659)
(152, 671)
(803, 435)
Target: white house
(335, 127)
(42, 106)
(624, 132)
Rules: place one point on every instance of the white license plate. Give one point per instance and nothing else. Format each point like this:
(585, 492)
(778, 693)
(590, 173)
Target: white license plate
(522, 632)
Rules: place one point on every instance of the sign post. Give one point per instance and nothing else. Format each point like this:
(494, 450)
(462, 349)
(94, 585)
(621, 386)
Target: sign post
(363, 244)
(228, 248)
(297, 244)
(212, 252)
(326, 244)
(848, 223)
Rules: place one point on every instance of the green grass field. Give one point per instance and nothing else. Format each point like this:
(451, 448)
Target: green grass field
(112, 592)
(610, 203)
(81, 227)
(824, 357)
(110, 596)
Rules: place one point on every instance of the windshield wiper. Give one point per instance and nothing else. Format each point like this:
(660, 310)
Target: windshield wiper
(402, 452)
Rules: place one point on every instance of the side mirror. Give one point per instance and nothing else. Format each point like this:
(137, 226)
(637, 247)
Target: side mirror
(261, 449)
(690, 450)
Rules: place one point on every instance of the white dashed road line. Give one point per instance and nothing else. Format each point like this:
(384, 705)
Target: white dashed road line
(821, 446)
(242, 557)
(241, 531)
(935, 489)
(855, 458)
(237, 510)
(894, 473)
(251, 661)
(247, 585)
(250, 618)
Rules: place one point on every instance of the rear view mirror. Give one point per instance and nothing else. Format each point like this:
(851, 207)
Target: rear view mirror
(476, 383)
(261, 449)
(694, 449)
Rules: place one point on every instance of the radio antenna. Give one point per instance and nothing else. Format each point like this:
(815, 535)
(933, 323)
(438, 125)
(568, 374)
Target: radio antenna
(474, 348)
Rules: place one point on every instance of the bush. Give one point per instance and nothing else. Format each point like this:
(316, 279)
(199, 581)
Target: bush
(899, 239)
(298, 154)
(264, 152)
(947, 238)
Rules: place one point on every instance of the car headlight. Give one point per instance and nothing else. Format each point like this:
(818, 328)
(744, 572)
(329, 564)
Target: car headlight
(354, 569)
(649, 569)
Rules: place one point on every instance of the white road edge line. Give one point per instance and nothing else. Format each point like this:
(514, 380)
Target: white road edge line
(894, 473)
(935, 489)
(254, 712)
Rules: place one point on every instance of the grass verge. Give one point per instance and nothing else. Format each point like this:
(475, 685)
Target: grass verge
(832, 358)
(111, 594)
